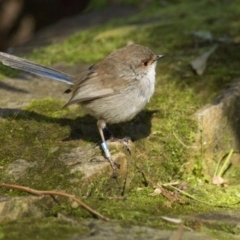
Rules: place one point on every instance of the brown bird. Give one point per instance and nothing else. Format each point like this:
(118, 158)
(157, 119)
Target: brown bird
(113, 90)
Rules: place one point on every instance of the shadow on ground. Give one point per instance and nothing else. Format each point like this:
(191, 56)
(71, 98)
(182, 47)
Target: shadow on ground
(85, 127)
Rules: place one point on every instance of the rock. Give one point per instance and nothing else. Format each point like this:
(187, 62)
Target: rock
(227, 221)
(89, 161)
(14, 208)
(18, 168)
(219, 129)
(113, 230)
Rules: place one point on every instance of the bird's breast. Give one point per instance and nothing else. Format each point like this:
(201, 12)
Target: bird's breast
(147, 83)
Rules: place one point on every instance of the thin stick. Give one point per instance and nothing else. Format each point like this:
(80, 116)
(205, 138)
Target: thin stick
(201, 201)
(54, 193)
(186, 146)
(164, 192)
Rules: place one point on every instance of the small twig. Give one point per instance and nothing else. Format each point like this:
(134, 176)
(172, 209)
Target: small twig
(54, 193)
(170, 183)
(164, 192)
(188, 195)
(180, 141)
(72, 163)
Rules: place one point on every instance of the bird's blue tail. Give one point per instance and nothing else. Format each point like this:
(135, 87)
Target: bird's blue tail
(22, 64)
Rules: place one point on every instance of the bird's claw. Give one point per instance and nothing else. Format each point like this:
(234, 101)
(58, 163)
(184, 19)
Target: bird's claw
(124, 141)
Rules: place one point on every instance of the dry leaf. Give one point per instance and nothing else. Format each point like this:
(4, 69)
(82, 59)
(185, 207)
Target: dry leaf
(204, 35)
(172, 220)
(199, 64)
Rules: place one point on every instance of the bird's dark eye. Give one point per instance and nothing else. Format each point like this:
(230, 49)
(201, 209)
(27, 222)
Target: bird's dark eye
(145, 63)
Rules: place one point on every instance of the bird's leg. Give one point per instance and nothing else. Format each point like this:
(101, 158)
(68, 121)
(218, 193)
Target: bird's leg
(101, 125)
(107, 133)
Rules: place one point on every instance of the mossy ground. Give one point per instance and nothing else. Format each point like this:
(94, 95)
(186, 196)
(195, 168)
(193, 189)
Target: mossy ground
(48, 228)
(43, 131)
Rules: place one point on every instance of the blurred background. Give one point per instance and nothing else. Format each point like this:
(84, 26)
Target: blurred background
(19, 19)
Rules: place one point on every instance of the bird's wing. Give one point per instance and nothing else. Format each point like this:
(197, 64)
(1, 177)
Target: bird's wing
(89, 87)
(22, 64)
(98, 81)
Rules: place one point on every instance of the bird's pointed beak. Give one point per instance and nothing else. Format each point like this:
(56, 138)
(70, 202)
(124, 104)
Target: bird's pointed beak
(158, 57)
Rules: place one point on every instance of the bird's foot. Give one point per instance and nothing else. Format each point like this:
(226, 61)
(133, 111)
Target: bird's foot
(113, 164)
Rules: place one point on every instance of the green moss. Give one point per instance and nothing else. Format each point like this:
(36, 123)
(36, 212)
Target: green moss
(40, 229)
(39, 134)
(162, 133)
